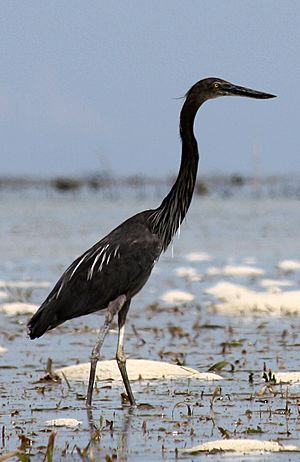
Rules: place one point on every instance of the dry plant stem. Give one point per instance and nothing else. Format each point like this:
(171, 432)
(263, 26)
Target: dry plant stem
(113, 308)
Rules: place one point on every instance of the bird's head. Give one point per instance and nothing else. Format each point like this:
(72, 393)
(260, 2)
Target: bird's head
(213, 87)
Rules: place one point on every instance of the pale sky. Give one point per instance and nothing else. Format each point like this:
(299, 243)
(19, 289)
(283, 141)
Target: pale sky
(92, 85)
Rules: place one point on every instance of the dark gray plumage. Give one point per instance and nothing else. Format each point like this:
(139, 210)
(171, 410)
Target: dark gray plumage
(115, 269)
(115, 265)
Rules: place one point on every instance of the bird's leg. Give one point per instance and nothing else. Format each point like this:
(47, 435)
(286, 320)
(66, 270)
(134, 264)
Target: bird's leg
(120, 355)
(113, 308)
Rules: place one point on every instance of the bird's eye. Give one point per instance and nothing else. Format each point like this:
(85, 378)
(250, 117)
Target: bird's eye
(216, 85)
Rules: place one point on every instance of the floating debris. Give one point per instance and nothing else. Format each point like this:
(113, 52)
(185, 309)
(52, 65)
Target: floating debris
(177, 296)
(239, 299)
(275, 284)
(63, 423)
(288, 265)
(138, 369)
(198, 256)
(232, 270)
(240, 445)
(15, 308)
(287, 377)
(221, 365)
(50, 376)
(188, 273)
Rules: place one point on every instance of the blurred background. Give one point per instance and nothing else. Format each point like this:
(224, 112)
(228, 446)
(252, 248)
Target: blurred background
(91, 89)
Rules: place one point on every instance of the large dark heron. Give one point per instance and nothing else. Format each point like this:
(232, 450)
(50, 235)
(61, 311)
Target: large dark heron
(115, 269)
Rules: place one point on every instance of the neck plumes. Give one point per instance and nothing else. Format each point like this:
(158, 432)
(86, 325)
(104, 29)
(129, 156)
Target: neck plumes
(166, 219)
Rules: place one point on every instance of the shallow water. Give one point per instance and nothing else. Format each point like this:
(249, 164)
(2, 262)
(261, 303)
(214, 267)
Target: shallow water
(40, 236)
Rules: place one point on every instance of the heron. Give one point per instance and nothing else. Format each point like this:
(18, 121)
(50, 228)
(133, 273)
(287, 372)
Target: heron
(110, 273)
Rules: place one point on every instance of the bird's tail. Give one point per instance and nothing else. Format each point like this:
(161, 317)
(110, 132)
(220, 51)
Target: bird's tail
(41, 321)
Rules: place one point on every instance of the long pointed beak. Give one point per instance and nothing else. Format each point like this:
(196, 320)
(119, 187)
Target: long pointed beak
(236, 90)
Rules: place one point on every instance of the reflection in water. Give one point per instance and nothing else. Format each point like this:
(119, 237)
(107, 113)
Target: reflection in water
(124, 434)
(90, 418)
(95, 433)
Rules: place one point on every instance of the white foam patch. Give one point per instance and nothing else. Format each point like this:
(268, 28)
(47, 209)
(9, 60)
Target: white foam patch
(198, 256)
(235, 298)
(242, 446)
(15, 308)
(289, 265)
(287, 377)
(23, 284)
(177, 296)
(138, 369)
(2, 350)
(63, 423)
(234, 270)
(188, 273)
(213, 271)
(275, 283)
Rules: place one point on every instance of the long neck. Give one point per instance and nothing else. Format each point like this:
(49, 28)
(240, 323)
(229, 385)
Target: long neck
(167, 218)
